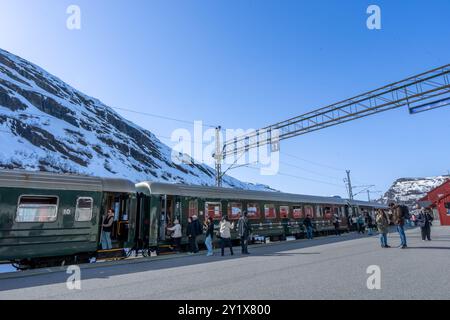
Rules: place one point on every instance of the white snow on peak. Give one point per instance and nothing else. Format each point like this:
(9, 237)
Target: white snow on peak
(47, 125)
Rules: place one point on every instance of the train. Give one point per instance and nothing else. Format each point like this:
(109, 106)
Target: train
(54, 219)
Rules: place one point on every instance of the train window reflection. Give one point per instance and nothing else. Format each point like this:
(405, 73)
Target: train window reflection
(213, 210)
(37, 209)
(284, 212)
(270, 211)
(83, 211)
(253, 211)
(234, 210)
(193, 208)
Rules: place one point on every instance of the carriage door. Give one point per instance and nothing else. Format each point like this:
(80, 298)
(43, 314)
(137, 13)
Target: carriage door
(166, 218)
(121, 205)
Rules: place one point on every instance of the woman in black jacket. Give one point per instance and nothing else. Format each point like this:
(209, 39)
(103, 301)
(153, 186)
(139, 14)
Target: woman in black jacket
(191, 233)
(209, 226)
(424, 221)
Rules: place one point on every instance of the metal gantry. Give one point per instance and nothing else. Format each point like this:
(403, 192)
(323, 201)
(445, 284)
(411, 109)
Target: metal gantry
(419, 93)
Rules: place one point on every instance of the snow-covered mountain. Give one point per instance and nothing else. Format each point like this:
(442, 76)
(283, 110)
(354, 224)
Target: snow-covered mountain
(409, 190)
(47, 125)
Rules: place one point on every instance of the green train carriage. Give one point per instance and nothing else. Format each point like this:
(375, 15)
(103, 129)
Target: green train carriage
(272, 215)
(48, 218)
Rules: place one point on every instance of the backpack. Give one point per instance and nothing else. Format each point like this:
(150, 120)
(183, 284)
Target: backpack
(405, 212)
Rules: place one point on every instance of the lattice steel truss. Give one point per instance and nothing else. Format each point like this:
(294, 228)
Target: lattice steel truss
(422, 92)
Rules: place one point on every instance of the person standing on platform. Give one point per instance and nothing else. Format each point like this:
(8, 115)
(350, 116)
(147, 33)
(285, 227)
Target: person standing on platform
(369, 223)
(399, 221)
(244, 230)
(382, 222)
(191, 233)
(209, 226)
(176, 235)
(107, 224)
(307, 222)
(198, 230)
(360, 223)
(424, 222)
(225, 235)
(336, 223)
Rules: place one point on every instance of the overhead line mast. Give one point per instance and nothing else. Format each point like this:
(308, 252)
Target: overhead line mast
(422, 92)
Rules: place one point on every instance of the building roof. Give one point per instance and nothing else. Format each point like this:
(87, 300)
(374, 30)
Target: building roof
(150, 188)
(435, 194)
(55, 181)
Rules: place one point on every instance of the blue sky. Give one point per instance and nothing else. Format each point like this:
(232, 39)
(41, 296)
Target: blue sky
(247, 64)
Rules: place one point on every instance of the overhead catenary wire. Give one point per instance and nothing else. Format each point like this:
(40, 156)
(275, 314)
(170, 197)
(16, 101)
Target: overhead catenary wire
(310, 171)
(162, 117)
(313, 162)
(321, 165)
(202, 143)
(301, 178)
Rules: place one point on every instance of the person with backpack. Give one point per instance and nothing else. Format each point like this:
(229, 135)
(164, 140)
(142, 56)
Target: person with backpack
(244, 231)
(398, 215)
(424, 222)
(307, 222)
(382, 222)
(225, 234)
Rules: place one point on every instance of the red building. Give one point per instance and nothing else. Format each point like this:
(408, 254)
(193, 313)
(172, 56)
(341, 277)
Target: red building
(438, 199)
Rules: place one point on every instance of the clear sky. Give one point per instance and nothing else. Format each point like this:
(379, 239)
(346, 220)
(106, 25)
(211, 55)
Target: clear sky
(247, 64)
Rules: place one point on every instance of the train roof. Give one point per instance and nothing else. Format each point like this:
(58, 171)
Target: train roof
(375, 205)
(150, 188)
(56, 181)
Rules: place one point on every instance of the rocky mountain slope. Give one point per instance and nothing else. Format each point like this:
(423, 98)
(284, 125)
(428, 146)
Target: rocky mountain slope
(409, 190)
(47, 125)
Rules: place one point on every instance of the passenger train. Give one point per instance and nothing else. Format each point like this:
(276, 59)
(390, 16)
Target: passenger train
(52, 219)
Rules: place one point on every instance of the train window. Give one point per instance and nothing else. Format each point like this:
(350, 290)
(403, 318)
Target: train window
(309, 211)
(37, 209)
(269, 211)
(297, 212)
(83, 211)
(284, 212)
(213, 210)
(193, 208)
(319, 211)
(234, 210)
(327, 212)
(253, 211)
(447, 206)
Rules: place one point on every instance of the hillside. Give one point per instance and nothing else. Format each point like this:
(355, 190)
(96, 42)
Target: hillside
(47, 125)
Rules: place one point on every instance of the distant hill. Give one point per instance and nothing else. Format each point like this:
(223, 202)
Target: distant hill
(409, 190)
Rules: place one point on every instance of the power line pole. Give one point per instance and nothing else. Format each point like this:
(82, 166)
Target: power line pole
(218, 158)
(368, 195)
(349, 185)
